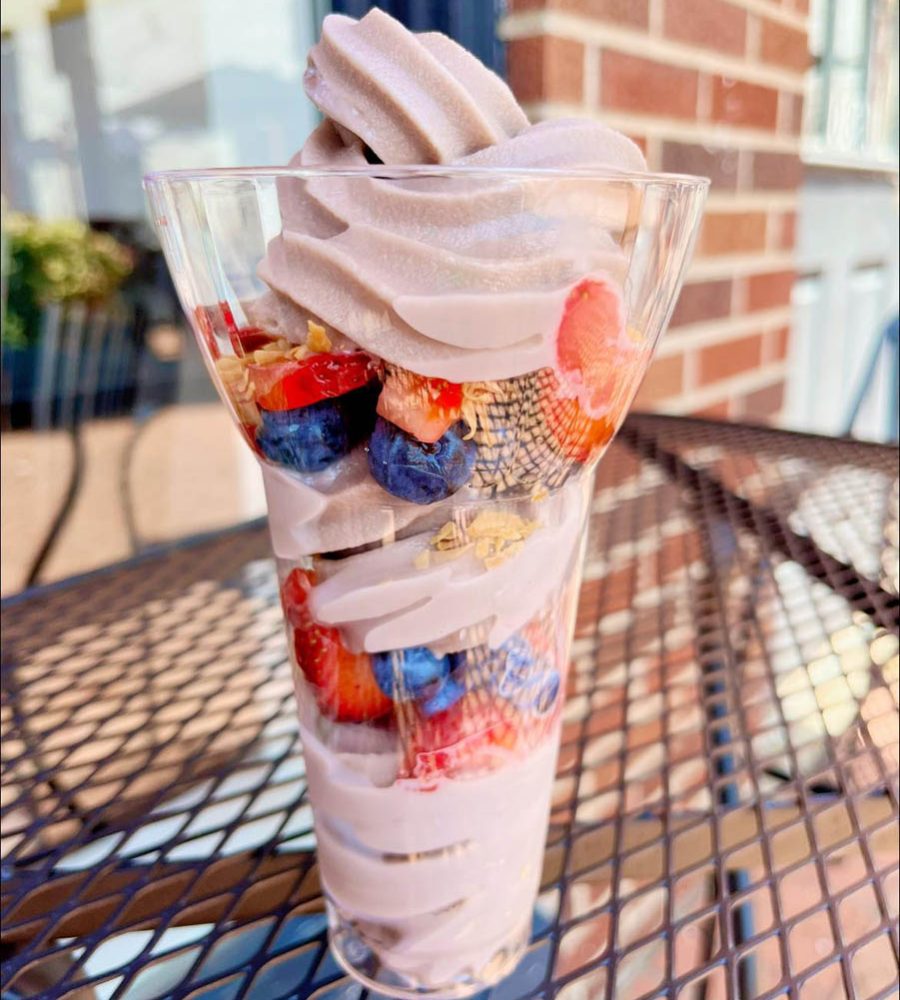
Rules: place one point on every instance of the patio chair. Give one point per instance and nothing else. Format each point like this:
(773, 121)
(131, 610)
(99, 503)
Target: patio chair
(886, 346)
(88, 364)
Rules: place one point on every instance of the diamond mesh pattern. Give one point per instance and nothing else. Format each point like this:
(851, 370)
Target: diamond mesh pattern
(725, 812)
(517, 451)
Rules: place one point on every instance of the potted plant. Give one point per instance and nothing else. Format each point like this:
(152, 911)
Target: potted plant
(47, 263)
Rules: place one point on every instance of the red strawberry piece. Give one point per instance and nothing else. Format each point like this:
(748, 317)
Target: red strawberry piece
(540, 633)
(288, 385)
(250, 434)
(295, 597)
(203, 318)
(577, 435)
(597, 362)
(266, 380)
(424, 407)
(248, 340)
(345, 688)
(448, 395)
(227, 316)
(217, 322)
(245, 339)
(344, 685)
(476, 734)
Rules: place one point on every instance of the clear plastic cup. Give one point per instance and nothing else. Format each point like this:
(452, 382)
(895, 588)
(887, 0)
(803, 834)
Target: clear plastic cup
(428, 363)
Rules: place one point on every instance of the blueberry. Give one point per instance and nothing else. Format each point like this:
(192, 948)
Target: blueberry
(446, 693)
(405, 673)
(307, 439)
(519, 664)
(310, 438)
(546, 693)
(416, 471)
(524, 678)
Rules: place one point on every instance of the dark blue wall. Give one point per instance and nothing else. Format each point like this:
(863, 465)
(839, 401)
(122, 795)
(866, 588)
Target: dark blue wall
(471, 22)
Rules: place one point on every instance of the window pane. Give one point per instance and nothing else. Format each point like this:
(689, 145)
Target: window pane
(846, 108)
(852, 89)
(850, 30)
(122, 88)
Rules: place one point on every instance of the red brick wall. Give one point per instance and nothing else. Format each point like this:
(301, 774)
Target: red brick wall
(711, 87)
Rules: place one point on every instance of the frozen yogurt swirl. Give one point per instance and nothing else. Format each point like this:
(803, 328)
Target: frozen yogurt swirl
(462, 277)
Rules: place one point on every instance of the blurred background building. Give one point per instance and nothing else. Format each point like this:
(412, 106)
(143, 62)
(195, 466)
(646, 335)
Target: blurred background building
(791, 111)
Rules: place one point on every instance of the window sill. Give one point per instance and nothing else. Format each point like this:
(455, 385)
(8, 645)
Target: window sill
(815, 156)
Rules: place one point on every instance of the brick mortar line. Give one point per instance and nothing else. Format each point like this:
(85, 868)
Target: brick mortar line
(769, 344)
(773, 231)
(717, 331)
(638, 43)
(732, 265)
(704, 107)
(654, 153)
(752, 201)
(679, 130)
(783, 111)
(740, 297)
(590, 88)
(725, 389)
(753, 40)
(744, 178)
(690, 370)
(775, 13)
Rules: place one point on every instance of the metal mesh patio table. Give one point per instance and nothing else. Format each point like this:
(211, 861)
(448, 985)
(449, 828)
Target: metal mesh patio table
(725, 815)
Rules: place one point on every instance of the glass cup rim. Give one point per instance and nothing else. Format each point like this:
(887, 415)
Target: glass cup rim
(411, 171)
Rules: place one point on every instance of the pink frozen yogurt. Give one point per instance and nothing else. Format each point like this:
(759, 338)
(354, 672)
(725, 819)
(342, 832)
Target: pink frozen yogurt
(441, 890)
(458, 281)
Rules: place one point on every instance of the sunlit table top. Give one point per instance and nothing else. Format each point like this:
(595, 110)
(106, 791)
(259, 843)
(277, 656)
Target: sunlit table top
(725, 813)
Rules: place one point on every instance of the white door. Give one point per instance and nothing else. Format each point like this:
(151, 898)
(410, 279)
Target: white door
(847, 263)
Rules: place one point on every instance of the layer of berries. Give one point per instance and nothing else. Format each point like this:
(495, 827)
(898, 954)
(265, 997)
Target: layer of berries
(306, 406)
(456, 715)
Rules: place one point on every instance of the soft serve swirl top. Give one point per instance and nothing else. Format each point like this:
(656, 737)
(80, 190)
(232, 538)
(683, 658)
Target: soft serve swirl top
(462, 278)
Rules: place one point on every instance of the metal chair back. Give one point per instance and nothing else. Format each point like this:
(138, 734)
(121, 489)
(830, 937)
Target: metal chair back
(886, 347)
(87, 364)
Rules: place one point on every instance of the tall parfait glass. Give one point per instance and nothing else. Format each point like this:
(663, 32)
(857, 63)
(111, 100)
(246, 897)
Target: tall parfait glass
(427, 388)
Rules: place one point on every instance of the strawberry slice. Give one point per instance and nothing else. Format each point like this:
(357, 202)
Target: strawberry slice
(204, 318)
(345, 689)
(344, 685)
(248, 340)
(578, 435)
(295, 598)
(595, 358)
(227, 316)
(472, 736)
(249, 431)
(216, 322)
(424, 407)
(288, 385)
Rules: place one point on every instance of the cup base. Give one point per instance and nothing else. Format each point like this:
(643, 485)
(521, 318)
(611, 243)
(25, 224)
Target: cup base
(359, 960)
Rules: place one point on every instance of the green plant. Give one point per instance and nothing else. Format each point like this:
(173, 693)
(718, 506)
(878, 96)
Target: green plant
(60, 261)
